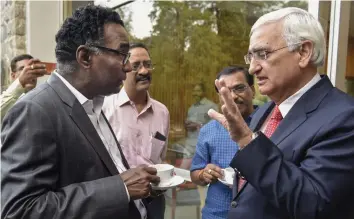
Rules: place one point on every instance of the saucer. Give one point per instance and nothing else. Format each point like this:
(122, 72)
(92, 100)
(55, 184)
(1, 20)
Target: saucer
(228, 183)
(175, 181)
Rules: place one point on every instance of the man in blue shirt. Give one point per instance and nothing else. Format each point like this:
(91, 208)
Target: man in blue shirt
(215, 149)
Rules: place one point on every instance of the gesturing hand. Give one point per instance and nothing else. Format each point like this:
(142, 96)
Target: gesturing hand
(231, 118)
(30, 73)
(211, 173)
(138, 181)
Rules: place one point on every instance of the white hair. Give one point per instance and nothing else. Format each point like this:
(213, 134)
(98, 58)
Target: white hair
(298, 25)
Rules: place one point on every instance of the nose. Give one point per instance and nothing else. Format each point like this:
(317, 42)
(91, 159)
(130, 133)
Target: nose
(143, 70)
(233, 95)
(254, 67)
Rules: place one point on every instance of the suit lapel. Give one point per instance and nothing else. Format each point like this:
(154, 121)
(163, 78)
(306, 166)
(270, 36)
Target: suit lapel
(299, 112)
(260, 116)
(296, 116)
(82, 121)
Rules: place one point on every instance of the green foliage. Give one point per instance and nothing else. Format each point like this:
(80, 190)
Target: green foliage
(192, 41)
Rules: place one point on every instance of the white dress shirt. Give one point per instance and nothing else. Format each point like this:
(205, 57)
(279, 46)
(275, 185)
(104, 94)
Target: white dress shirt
(93, 109)
(287, 104)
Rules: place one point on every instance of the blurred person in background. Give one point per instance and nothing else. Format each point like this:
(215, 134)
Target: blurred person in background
(24, 73)
(197, 116)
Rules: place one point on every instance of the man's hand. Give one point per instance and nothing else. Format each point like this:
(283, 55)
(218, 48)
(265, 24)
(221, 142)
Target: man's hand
(137, 181)
(231, 118)
(30, 73)
(211, 173)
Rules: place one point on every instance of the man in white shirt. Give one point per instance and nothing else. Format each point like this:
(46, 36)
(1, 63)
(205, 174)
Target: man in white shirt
(296, 160)
(24, 72)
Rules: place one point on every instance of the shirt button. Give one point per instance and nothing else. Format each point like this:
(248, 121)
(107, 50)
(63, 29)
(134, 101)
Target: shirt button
(233, 204)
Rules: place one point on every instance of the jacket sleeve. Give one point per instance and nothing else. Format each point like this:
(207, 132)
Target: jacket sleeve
(10, 96)
(313, 187)
(30, 174)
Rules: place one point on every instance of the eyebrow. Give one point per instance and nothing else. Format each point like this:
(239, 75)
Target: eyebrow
(21, 68)
(237, 85)
(124, 46)
(259, 48)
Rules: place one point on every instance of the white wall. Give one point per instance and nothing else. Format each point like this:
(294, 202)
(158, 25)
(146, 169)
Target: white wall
(43, 22)
(338, 43)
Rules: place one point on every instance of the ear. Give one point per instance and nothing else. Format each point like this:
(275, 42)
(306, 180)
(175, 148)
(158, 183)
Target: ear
(13, 75)
(305, 52)
(83, 57)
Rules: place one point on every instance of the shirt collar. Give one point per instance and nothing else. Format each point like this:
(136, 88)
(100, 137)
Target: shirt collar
(123, 98)
(203, 101)
(286, 105)
(94, 105)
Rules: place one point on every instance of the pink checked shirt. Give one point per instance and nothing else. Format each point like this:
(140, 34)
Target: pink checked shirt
(135, 131)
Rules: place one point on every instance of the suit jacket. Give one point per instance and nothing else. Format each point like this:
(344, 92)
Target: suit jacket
(54, 164)
(306, 169)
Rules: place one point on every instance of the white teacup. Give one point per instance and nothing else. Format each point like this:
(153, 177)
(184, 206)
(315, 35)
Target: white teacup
(165, 172)
(229, 174)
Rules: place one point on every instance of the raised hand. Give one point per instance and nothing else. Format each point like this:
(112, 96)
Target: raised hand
(231, 118)
(30, 73)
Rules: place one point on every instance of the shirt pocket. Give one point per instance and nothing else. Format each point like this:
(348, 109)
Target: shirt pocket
(155, 150)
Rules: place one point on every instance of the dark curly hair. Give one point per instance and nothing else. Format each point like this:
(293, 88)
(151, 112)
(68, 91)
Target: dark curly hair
(84, 27)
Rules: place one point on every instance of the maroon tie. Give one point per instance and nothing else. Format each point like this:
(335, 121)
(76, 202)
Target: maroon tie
(272, 125)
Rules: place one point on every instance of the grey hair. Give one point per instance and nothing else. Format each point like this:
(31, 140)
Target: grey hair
(298, 25)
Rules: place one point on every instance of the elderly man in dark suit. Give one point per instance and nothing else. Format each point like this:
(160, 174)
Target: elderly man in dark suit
(297, 158)
(60, 158)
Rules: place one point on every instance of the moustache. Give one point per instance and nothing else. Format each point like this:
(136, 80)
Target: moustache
(143, 78)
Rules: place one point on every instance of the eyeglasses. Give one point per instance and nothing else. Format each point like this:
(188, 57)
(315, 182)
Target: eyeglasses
(262, 54)
(136, 66)
(126, 56)
(238, 89)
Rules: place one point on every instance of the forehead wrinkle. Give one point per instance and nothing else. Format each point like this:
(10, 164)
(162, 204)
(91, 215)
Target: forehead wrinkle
(258, 46)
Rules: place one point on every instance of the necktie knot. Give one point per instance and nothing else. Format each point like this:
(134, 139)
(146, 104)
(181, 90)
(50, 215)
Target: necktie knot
(276, 115)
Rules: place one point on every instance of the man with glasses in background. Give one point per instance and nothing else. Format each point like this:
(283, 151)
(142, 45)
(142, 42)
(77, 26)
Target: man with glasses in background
(59, 156)
(215, 149)
(296, 160)
(140, 123)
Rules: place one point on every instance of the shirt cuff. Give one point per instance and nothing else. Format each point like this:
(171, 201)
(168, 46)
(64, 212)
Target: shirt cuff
(126, 189)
